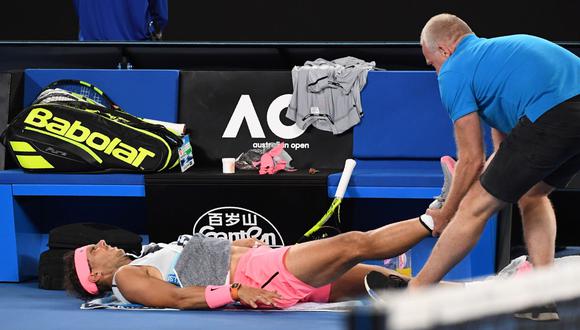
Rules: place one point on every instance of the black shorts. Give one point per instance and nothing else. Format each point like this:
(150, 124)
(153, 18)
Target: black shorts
(547, 150)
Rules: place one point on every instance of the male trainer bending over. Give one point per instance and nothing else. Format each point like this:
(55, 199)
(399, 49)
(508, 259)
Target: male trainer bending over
(202, 272)
(527, 89)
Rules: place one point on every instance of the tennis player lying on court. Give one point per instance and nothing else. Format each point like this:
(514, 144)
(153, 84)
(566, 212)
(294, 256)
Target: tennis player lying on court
(201, 272)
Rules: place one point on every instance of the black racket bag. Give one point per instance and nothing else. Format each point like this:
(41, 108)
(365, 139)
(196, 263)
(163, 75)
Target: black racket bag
(51, 269)
(66, 131)
(69, 237)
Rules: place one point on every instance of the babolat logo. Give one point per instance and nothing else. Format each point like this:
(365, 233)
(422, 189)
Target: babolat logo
(43, 118)
(234, 223)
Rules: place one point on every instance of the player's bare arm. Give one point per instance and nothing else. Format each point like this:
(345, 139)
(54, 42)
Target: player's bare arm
(139, 286)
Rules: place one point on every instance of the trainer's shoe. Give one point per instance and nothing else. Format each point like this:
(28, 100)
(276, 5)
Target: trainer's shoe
(448, 167)
(375, 282)
(547, 312)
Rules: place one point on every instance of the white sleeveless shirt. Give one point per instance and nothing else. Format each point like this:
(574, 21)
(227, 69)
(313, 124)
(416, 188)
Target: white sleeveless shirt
(163, 259)
(205, 262)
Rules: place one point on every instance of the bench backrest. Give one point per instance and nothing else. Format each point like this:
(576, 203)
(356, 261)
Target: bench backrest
(403, 118)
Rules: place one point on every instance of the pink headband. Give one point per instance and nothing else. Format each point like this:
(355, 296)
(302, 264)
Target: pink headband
(83, 270)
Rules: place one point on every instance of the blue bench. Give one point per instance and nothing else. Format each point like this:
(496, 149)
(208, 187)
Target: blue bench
(397, 146)
(144, 93)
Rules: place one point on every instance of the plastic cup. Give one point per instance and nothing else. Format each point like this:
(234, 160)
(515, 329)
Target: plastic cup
(228, 165)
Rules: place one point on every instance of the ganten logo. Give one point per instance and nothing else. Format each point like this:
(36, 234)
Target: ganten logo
(231, 222)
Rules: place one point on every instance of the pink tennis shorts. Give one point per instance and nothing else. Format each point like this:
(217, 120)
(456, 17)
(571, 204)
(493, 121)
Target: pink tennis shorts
(264, 265)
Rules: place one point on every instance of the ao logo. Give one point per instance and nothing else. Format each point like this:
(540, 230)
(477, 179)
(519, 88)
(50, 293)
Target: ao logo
(231, 222)
(245, 110)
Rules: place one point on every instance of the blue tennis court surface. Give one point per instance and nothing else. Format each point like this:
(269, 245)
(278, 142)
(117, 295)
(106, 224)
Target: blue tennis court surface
(25, 306)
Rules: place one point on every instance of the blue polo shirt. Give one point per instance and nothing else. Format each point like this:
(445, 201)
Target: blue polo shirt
(120, 20)
(506, 78)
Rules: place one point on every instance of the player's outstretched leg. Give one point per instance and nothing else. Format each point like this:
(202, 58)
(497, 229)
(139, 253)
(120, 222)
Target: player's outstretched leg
(324, 261)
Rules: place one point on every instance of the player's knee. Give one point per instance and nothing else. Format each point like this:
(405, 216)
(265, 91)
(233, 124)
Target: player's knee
(353, 243)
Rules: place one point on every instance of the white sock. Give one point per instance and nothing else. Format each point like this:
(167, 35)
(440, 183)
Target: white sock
(427, 221)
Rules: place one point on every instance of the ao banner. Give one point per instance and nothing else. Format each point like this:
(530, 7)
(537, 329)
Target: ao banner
(230, 112)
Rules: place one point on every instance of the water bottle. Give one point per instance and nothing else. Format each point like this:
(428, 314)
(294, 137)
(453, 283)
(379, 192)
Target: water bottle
(400, 264)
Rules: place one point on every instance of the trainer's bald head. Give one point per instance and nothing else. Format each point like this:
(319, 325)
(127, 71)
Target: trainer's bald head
(444, 29)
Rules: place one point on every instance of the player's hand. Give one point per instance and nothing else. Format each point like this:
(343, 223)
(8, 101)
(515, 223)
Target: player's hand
(250, 296)
(248, 242)
(440, 220)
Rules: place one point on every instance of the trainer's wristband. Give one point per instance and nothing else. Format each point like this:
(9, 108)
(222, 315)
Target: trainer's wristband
(218, 295)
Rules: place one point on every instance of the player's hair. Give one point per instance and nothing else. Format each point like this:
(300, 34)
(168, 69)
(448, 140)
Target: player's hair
(71, 280)
(443, 28)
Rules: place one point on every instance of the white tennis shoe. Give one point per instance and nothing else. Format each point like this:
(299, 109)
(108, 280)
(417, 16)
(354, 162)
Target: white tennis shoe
(448, 167)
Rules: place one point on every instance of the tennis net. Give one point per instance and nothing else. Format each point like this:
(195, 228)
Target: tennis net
(489, 304)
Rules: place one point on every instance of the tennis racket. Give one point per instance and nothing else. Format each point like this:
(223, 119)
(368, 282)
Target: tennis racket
(76, 90)
(340, 190)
